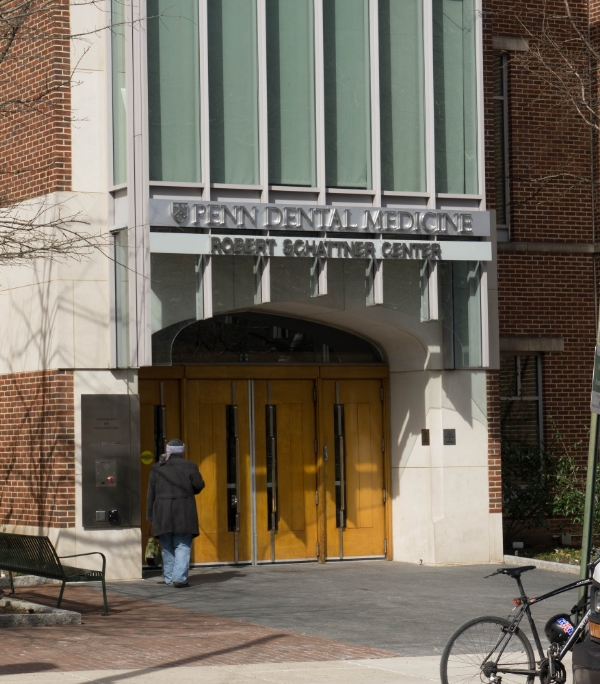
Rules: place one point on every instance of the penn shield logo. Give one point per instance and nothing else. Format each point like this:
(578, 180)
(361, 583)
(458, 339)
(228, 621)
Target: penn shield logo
(566, 626)
(180, 211)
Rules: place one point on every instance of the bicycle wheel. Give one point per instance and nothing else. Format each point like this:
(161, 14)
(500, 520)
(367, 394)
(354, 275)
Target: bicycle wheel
(471, 653)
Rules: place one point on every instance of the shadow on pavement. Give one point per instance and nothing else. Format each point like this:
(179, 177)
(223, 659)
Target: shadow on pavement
(214, 577)
(28, 668)
(182, 662)
(197, 579)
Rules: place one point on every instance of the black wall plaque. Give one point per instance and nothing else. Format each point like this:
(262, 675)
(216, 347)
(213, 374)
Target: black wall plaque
(110, 461)
(450, 437)
(425, 437)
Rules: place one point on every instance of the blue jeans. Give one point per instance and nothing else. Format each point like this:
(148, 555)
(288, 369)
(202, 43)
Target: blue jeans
(176, 550)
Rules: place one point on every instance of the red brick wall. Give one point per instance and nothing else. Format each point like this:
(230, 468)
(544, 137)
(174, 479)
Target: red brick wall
(545, 294)
(549, 144)
(37, 449)
(35, 102)
(553, 294)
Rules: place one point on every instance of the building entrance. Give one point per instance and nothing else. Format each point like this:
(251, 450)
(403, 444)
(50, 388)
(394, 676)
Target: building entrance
(285, 419)
(294, 459)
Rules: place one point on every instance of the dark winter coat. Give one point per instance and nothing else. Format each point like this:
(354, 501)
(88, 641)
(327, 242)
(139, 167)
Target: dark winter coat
(171, 505)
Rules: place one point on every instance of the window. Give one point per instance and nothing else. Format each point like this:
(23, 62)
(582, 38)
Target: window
(291, 92)
(119, 92)
(459, 286)
(347, 93)
(401, 83)
(173, 90)
(121, 251)
(263, 338)
(455, 96)
(501, 142)
(233, 91)
(521, 399)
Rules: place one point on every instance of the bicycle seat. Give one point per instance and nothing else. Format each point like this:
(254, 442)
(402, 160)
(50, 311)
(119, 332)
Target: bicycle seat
(516, 572)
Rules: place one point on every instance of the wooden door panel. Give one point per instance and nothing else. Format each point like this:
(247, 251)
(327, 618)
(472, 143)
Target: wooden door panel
(206, 422)
(364, 531)
(296, 536)
(149, 398)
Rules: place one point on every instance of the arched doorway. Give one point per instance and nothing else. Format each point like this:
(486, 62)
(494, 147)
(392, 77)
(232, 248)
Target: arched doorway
(286, 419)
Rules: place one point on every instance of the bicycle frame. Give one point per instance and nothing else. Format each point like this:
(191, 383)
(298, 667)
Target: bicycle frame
(525, 609)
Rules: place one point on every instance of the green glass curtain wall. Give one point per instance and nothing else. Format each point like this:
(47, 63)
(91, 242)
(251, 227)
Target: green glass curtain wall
(173, 90)
(402, 99)
(119, 92)
(233, 91)
(347, 93)
(455, 95)
(291, 92)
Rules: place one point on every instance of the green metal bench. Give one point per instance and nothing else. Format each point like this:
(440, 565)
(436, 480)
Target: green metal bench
(37, 556)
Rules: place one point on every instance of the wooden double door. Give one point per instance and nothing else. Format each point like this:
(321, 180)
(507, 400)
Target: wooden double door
(294, 466)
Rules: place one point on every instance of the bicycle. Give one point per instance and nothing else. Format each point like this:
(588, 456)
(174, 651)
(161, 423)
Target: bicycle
(494, 650)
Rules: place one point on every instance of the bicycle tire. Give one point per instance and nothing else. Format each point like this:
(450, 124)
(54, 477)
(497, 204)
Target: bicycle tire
(468, 649)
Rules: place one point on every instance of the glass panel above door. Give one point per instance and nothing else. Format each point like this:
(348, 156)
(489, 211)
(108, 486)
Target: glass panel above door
(455, 93)
(233, 91)
(260, 338)
(173, 90)
(291, 92)
(347, 93)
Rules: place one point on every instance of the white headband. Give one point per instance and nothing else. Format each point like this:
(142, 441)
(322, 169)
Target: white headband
(175, 449)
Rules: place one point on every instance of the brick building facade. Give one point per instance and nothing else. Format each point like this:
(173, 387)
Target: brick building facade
(139, 145)
(542, 184)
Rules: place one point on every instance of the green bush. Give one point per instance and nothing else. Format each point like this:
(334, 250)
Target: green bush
(540, 483)
(527, 486)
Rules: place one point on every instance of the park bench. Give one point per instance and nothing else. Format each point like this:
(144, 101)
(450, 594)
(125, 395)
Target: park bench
(34, 555)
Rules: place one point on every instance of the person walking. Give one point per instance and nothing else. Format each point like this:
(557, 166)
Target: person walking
(171, 508)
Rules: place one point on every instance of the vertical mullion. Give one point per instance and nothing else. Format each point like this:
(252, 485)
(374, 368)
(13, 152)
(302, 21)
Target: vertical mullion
(375, 107)
(204, 95)
(138, 192)
(320, 101)
(429, 102)
(263, 121)
(130, 176)
(484, 306)
(144, 325)
(477, 20)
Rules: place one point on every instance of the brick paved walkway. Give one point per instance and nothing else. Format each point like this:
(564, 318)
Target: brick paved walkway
(140, 634)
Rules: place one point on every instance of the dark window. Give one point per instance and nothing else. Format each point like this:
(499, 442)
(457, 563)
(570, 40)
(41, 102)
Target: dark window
(521, 400)
(258, 338)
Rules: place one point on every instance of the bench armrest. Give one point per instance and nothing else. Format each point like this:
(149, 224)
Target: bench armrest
(93, 553)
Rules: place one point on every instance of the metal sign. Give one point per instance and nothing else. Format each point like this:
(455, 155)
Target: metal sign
(329, 248)
(110, 466)
(304, 217)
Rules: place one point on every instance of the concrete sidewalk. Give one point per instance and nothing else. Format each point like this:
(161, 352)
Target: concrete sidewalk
(385, 670)
(351, 622)
(397, 670)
